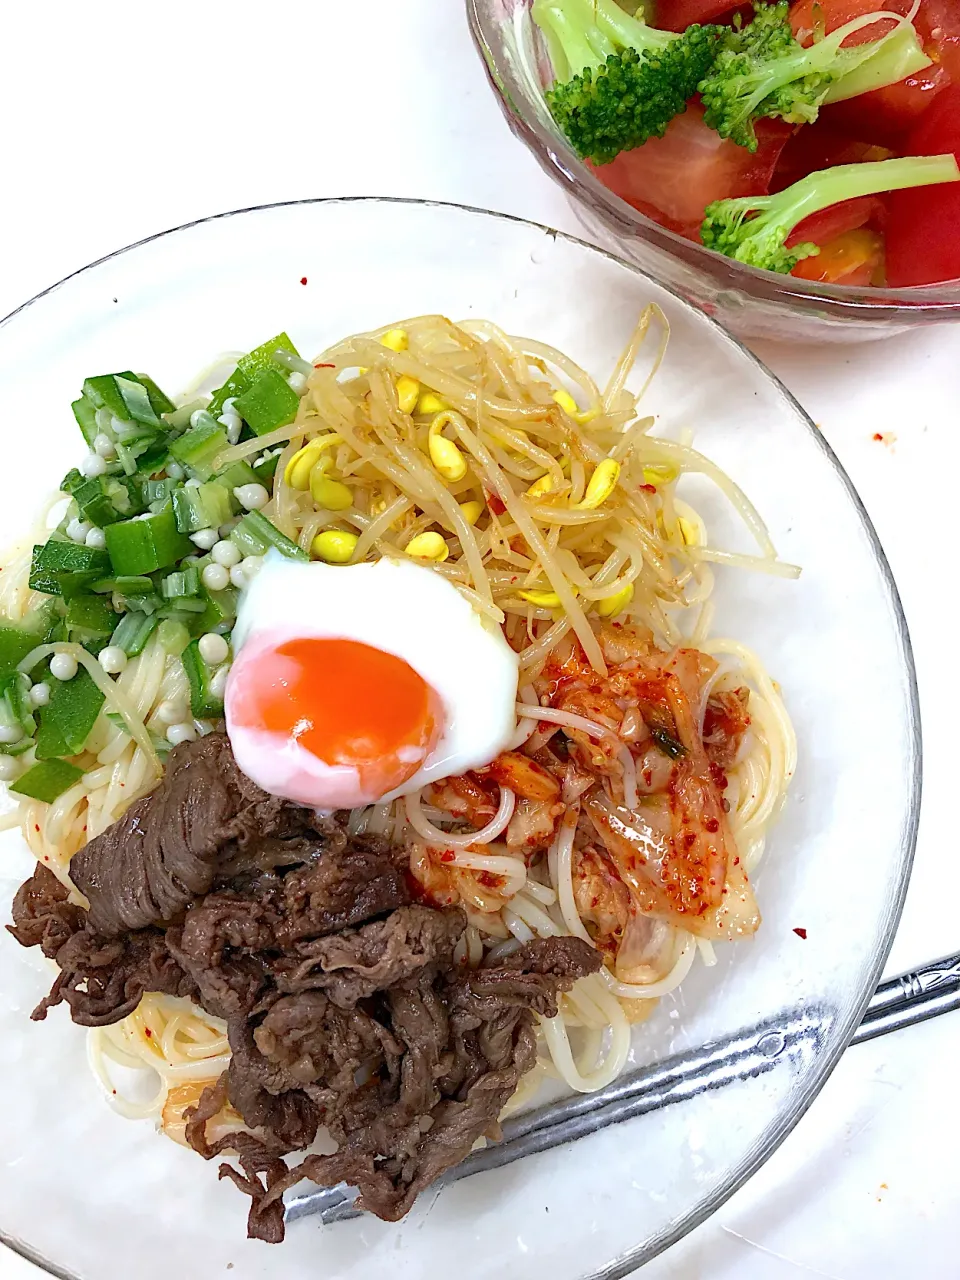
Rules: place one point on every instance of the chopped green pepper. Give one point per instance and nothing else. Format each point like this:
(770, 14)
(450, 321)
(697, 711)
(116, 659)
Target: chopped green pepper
(146, 543)
(66, 721)
(90, 617)
(62, 568)
(85, 412)
(204, 703)
(248, 367)
(159, 402)
(266, 468)
(92, 497)
(221, 608)
(255, 535)
(237, 474)
(15, 644)
(48, 781)
(268, 403)
(198, 447)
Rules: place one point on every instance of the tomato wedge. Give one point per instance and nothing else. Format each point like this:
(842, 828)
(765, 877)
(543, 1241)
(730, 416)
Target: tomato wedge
(939, 23)
(672, 179)
(923, 229)
(819, 146)
(886, 115)
(820, 228)
(677, 15)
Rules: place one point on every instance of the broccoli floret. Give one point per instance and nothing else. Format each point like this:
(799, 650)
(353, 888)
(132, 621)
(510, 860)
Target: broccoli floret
(619, 81)
(755, 229)
(761, 70)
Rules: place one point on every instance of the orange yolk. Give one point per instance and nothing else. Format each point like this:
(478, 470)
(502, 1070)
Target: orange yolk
(346, 703)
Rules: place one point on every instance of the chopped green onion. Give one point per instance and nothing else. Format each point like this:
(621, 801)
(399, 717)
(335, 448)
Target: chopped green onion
(146, 543)
(204, 703)
(125, 586)
(668, 744)
(184, 582)
(255, 535)
(66, 721)
(173, 635)
(206, 506)
(268, 403)
(16, 719)
(158, 490)
(48, 780)
(133, 631)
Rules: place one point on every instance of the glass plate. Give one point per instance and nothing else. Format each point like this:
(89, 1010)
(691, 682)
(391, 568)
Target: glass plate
(86, 1193)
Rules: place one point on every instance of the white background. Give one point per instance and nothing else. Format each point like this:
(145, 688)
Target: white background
(121, 119)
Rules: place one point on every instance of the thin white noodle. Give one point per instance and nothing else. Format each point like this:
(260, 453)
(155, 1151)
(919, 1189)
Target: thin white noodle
(463, 840)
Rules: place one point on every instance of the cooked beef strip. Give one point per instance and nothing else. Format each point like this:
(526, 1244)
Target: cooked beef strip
(167, 849)
(343, 1003)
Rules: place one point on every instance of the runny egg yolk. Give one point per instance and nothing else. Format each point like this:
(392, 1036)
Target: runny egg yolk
(346, 703)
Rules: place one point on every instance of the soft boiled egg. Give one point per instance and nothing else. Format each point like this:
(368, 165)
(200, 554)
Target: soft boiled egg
(357, 684)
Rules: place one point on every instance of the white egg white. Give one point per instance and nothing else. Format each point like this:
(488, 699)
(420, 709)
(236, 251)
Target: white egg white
(402, 609)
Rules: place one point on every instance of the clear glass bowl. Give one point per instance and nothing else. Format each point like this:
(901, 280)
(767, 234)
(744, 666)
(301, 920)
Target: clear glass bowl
(86, 1193)
(752, 303)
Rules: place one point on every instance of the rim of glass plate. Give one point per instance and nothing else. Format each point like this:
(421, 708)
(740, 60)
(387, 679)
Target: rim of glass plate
(820, 1073)
(928, 304)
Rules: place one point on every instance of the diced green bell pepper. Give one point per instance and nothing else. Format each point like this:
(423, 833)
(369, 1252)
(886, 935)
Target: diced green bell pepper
(248, 367)
(62, 568)
(268, 403)
(145, 543)
(204, 704)
(48, 780)
(66, 720)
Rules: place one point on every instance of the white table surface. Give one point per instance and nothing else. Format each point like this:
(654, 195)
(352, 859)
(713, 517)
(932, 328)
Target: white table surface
(121, 119)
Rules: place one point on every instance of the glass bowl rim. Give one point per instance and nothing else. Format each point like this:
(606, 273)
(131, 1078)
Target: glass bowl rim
(818, 1075)
(926, 304)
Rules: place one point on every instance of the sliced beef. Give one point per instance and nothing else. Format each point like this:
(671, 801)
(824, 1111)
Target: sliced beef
(42, 915)
(377, 956)
(169, 847)
(443, 1053)
(343, 1003)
